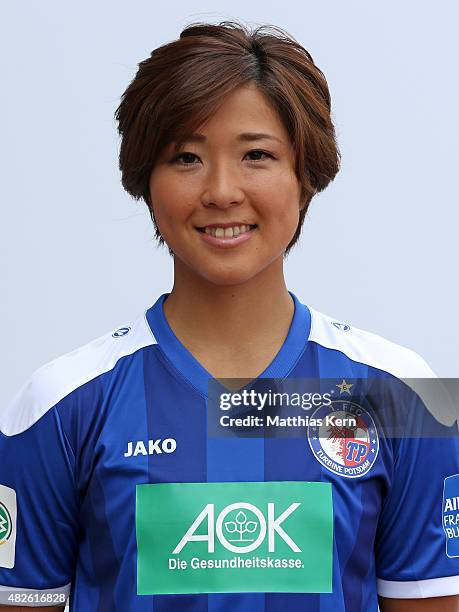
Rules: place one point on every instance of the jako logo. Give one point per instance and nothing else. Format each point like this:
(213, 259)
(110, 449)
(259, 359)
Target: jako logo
(122, 331)
(341, 326)
(238, 532)
(168, 445)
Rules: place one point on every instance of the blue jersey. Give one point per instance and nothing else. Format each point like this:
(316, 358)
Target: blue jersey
(115, 493)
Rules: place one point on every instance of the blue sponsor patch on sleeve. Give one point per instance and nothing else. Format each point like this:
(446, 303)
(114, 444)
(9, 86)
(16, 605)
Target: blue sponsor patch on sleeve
(451, 515)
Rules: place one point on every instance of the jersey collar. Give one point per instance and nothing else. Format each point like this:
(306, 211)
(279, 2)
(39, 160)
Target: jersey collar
(190, 368)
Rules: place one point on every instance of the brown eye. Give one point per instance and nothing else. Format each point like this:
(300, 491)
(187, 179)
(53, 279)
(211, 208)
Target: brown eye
(185, 157)
(259, 151)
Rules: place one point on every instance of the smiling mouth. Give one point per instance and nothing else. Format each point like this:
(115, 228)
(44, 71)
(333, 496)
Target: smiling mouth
(226, 232)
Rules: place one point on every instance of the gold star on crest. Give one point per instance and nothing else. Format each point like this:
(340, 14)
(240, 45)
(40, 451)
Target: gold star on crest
(345, 387)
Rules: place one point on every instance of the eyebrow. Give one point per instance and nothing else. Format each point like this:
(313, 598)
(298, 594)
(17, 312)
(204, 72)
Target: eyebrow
(244, 137)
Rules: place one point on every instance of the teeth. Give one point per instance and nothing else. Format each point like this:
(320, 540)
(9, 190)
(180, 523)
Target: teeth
(228, 232)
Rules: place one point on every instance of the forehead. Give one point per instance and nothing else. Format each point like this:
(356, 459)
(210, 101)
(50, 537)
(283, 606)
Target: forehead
(246, 110)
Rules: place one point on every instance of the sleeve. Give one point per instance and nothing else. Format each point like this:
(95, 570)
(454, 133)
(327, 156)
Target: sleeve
(417, 541)
(38, 501)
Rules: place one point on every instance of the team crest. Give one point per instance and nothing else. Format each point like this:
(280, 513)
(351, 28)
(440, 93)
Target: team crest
(344, 438)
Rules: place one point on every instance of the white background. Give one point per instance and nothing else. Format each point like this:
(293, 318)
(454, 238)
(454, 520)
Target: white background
(379, 248)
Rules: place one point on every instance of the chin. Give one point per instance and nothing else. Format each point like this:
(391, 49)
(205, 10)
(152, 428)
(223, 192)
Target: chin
(228, 277)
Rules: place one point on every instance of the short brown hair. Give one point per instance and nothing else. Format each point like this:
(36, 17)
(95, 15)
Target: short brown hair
(182, 83)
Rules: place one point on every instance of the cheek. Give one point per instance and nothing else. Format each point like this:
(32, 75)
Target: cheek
(281, 198)
(282, 209)
(171, 216)
(169, 202)
(288, 222)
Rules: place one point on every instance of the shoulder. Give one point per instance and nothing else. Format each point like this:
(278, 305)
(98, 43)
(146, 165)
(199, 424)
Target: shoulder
(55, 380)
(367, 347)
(377, 352)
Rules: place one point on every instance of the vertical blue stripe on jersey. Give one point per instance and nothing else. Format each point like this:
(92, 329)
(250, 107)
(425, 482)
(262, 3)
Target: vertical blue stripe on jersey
(128, 408)
(235, 459)
(104, 557)
(357, 568)
(174, 410)
(95, 506)
(331, 363)
(290, 459)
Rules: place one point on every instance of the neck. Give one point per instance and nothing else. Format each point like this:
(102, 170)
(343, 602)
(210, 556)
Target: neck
(206, 315)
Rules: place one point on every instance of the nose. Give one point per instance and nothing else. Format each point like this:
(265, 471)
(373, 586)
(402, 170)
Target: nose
(222, 187)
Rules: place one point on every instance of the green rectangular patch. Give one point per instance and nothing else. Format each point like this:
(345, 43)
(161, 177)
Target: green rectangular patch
(225, 537)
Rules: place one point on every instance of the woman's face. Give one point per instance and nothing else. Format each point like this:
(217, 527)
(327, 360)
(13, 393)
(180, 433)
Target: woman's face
(228, 176)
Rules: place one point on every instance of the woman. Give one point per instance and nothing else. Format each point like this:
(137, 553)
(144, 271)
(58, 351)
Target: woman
(128, 478)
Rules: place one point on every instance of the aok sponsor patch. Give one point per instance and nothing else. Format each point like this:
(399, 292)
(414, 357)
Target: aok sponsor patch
(346, 442)
(215, 537)
(451, 514)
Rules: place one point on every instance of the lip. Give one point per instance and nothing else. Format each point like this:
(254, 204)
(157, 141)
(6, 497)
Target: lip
(227, 243)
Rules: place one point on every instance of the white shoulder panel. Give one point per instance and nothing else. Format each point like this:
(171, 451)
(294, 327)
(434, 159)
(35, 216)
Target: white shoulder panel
(55, 380)
(375, 351)
(368, 348)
